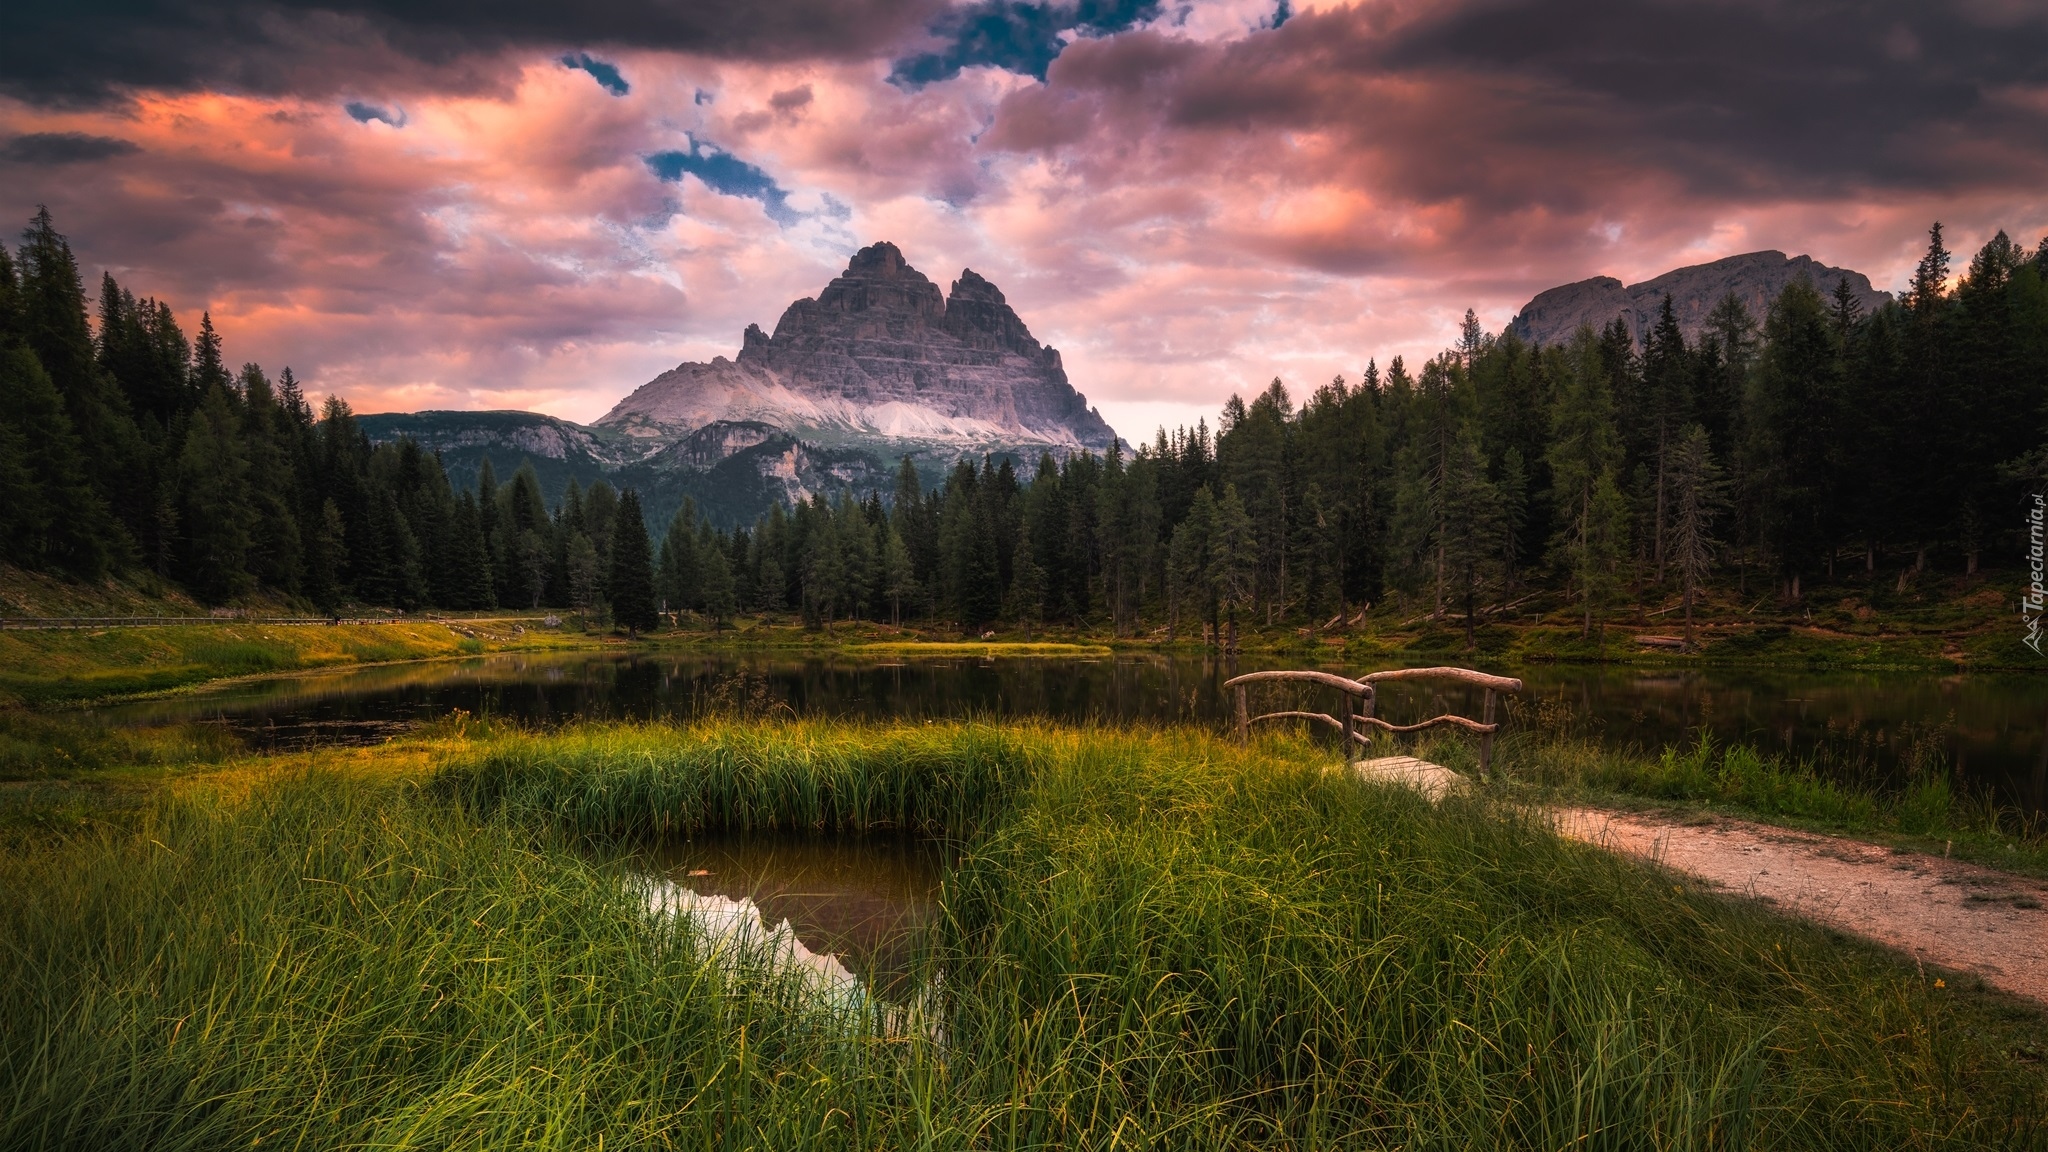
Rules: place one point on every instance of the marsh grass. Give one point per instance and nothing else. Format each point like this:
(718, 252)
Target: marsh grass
(1843, 787)
(64, 667)
(1146, 939)
(632, 782)
(40, 746)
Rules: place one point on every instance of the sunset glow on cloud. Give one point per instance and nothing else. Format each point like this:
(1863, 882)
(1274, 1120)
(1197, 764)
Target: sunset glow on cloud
(1186, 199)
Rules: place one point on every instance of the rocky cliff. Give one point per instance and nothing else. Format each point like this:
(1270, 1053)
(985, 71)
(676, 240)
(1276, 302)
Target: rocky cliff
(881, 361)
(1756, 278)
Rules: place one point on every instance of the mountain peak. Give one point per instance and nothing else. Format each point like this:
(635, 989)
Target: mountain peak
(880, 359)
(1756, 278)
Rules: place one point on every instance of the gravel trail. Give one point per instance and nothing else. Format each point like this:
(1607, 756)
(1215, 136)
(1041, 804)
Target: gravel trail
(1945, 913)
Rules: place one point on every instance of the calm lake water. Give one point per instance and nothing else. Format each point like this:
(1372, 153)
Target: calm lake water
(1991, 728)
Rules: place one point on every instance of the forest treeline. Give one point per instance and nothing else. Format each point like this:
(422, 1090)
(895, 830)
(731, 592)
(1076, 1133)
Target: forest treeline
(1767, 452)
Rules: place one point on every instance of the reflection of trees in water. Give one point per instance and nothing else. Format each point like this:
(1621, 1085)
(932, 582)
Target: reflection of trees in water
(1859, 725)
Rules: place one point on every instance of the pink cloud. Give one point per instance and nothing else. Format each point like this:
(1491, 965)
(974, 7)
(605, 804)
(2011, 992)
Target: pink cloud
(1184, 210)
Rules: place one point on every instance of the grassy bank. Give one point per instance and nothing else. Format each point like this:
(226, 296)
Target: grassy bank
(1916, 804)
(69, 666)
(1971, 633)
(1147, 940)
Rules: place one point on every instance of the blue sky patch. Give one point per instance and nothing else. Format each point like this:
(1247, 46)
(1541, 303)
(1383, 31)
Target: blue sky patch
(725, 174)
(364, 113)
(1015, 36)
(603, 71)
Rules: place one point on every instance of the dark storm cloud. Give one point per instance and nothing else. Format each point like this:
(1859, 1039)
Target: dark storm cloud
(1020, 37)
(1874, 90)
(87, 51)
(63, 148)
(1505, 105)
(725, 174)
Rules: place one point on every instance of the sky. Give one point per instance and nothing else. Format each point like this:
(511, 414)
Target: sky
(527, 204)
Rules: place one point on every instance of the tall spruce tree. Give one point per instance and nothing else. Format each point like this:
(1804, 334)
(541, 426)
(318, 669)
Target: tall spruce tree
(474, 586)
(632, 569)
(213, 478)
(1696, 499)
(1584, 452)
(58, 518)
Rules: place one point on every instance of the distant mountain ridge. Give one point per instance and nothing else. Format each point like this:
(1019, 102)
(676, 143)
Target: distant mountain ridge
(1756, 278)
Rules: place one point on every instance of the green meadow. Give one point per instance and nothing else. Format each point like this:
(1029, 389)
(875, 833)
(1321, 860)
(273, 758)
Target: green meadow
(1145, 939)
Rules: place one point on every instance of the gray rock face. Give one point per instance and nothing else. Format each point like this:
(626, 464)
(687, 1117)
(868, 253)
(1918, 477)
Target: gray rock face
(881, 360)
(1756, 278)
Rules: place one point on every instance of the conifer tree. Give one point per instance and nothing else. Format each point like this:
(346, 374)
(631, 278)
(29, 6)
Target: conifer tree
(472, 560)
(1512, 484)
(1584, 452)
(1729, 341)
(209, 370)
(1190, 574)
(1604, 547)
(680, 579)
(1929, 290)
(52, 320)
(487, 518)
(720, 603)
(213, 476)
(632, 570)
(600, 511)
(587, 579)
(326, 550)
(899, 578)
(1791, 416)
(276, 553)
(1471, 546)
(1696, 499)
(24, 515)
(1667, 404)
(1233, 559)
(824, 571)
(59, 520)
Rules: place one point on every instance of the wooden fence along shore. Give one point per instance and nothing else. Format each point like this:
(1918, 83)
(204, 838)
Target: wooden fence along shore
(1360, 701)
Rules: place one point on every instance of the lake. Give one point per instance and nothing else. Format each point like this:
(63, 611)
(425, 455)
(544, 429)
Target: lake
(1991, 727)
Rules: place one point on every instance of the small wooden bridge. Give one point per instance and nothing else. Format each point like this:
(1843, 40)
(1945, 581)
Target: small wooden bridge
(1359, 719)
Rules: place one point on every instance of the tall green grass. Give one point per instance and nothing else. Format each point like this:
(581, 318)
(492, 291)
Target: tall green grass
(1919, 800)
(627, 782)
(333, 967)
(1147, 940)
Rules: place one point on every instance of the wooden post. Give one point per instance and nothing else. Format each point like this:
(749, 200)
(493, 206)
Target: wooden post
(1486, 738)
(1350, 726)
(1244, 717)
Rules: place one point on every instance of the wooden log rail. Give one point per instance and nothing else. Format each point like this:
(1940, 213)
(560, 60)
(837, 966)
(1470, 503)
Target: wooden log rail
(1357, 704)
(1360, 699)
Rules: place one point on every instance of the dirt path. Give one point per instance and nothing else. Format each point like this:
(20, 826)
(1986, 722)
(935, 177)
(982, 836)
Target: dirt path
(1942, 912)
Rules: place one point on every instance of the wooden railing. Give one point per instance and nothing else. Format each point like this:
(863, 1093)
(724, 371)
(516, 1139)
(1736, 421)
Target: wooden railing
(1360, 700)
(1357, 704)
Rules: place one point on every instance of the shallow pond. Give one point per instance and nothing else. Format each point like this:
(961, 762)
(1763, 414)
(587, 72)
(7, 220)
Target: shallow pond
(1990, 728)
(865, 901)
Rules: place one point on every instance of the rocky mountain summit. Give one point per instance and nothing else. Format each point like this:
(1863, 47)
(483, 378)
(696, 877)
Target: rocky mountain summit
(1756, 278)
(881, 361)
(878, 366)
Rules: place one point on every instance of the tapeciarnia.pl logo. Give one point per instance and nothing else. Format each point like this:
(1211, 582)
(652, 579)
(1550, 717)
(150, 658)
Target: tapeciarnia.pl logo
(2037, 593)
